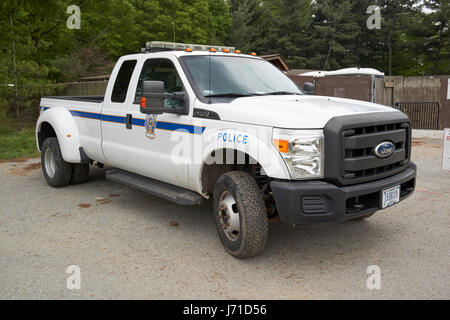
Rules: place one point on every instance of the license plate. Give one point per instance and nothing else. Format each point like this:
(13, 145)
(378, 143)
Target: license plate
(390, 197)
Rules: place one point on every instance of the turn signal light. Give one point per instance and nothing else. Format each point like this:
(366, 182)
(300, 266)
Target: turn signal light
(143, 102)
(282, 145)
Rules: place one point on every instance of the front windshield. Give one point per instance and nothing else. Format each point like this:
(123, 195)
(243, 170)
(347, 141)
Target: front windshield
(234, 76)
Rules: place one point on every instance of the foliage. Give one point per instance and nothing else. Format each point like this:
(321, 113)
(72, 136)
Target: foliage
(47, 52)
(17, 145)
(312, 34)
(333, 34)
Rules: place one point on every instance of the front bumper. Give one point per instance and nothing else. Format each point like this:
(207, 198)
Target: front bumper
(319, 201)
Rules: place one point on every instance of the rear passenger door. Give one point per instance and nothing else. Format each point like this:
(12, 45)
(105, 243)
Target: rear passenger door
(114, 114)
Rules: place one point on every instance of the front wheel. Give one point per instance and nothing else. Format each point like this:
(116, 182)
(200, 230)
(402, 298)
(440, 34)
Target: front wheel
(240, 214)
(57, 172)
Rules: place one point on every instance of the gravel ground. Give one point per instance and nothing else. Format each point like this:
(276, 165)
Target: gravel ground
(129, 245)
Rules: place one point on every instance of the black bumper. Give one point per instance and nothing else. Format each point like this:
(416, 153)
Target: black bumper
(319, 201)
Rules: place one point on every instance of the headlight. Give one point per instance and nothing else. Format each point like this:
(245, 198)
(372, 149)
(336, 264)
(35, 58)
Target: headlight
(302, 150)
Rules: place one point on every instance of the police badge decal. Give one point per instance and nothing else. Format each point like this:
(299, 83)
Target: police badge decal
(150, 126)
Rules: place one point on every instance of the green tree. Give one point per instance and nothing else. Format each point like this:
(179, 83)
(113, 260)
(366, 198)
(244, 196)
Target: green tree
(293, 20)
(252, 21)
(437, 40)
(28, 33)
(335, 31)
(192, 21)
(395, 17)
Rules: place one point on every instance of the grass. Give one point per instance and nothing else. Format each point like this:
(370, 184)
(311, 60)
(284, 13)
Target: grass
(17, 145)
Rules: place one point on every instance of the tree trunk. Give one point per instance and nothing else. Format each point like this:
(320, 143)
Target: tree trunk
(327, 58)
(438, 54)
(436, 62)
(390, 52)
(358, 50)
(16, 89)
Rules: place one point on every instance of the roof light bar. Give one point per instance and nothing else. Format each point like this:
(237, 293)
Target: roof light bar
(166, 46)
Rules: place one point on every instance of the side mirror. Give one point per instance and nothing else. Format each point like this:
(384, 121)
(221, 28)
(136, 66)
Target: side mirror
(309, 88)
(154, 95)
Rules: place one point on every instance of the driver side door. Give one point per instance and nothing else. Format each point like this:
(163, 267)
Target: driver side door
(153, 140)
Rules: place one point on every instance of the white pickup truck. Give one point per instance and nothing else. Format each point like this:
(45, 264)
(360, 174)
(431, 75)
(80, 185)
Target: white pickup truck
(188, 125)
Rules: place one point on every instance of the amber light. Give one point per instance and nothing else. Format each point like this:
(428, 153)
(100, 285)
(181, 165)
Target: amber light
(143, 102)
(226, 51)
(188, 50)
(237, 51)
(282, 145)
(253, 54)
(212, 50)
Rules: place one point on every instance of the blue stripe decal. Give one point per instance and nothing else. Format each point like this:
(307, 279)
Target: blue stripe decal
(116, 119)
(139, 122)
(88, 115)
(169, 126)
(180, 127)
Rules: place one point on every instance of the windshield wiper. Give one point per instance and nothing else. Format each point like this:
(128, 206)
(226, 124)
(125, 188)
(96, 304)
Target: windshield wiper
(229, 94)
(281, 93)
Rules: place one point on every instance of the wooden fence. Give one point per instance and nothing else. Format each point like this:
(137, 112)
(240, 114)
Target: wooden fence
(390, 90)
(93, 88)
(417, 92)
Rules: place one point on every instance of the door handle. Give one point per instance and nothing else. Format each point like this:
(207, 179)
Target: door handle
(129, 121)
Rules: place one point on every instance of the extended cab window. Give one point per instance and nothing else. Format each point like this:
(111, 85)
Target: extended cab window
(160, 70)
(120, 90)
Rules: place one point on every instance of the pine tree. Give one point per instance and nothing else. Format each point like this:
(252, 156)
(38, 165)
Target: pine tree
(335, 31)
(251, 26)
(437, 45)
(293, 31)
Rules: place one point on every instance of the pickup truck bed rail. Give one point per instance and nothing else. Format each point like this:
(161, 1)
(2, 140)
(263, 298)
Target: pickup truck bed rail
(95, 99)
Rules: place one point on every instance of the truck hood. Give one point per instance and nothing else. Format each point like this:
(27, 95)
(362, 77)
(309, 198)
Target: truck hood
(293, 112)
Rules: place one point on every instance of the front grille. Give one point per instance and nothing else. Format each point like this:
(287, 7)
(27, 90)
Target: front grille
(350, 143)
(359, 160)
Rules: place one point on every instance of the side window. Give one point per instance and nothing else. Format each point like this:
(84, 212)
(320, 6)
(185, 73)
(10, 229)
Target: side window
(160, 70)
(120, 90)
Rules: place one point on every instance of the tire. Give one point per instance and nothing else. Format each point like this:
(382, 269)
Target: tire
(240, 215)
(80, 173)
(362, 218)
(57, 172)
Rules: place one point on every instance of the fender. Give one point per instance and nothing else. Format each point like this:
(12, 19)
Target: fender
(66, 131)
(256, 143)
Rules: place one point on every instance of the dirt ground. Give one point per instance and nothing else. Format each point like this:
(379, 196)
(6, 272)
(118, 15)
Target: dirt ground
(129, 245)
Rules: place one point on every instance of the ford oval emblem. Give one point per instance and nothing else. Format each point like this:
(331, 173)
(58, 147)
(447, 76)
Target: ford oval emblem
(384, 150)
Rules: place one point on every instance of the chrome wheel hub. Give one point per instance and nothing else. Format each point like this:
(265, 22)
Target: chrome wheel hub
(50, 163)
(228, 217)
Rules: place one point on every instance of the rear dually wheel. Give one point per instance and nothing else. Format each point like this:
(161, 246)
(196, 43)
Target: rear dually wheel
(57, 172)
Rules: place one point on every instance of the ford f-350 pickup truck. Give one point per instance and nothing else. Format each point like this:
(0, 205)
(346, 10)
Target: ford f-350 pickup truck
(212, 123)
